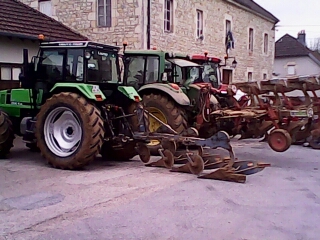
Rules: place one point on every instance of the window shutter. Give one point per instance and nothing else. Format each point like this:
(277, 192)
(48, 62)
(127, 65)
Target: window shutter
(45, 7)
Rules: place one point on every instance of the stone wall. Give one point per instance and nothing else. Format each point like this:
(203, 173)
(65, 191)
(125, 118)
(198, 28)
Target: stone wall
(81, 16)
(129, 23)
(216, 13)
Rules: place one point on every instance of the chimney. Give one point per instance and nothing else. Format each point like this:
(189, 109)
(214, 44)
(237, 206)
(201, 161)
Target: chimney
(302, 37)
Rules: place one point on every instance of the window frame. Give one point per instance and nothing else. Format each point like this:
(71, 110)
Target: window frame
(11, 66)
(44, 12)
(294, 69)
(250, 76)
(264, 76)
(168, 20)
(199, 26)
(265, 43)
(107, 13)
(251, 40)
(228, 26)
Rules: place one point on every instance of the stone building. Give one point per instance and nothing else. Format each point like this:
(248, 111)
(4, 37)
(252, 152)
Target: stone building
(188, 26)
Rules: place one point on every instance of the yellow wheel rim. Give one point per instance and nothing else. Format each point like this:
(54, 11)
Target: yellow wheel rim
(154, 124)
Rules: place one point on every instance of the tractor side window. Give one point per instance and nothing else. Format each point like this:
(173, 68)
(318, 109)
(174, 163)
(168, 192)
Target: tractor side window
(210, 74)
(178, 74)
(102, 67)
(152, 71)
(74, 68)
(50, 67)
(193, 74)
(135, 71)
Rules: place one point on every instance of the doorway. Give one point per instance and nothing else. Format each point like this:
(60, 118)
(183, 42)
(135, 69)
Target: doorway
(226, 76)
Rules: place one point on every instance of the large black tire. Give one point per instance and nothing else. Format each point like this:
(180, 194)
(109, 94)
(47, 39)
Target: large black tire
(91, 124)
(175, 114)
(6, 135)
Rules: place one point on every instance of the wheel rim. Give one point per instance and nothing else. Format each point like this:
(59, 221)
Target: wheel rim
(62, 132)
(153, 123)
(278, 141)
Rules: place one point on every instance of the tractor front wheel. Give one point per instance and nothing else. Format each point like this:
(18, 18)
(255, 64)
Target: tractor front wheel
(6, 134)
(69, 131)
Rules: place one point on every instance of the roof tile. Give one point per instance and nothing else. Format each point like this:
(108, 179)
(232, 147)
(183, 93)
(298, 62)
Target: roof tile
(17, 18)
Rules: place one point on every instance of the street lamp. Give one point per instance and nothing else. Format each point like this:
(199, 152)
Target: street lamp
(234, 63)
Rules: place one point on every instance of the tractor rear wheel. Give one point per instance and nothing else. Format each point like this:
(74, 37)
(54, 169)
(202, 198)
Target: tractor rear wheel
(168, 112)
(69, 131)
(279, 140)
(6, 134)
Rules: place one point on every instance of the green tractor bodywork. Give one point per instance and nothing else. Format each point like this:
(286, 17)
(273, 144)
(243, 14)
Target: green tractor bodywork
(65, 104)
(16, 101)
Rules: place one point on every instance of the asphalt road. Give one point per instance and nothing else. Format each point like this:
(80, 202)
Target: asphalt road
(125, 200)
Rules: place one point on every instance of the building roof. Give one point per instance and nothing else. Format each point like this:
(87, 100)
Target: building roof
(288, 46)
(20, 20)
(257, 8)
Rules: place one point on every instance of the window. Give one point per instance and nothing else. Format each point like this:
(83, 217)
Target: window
(249, 76)
(291, 70)
(138, 75)
(168, 18)
(9, 72)
(250, 39)
(102, 66)
(199, 23)
(228, 26)
(264, 76)
(104, 13)
(265, 43)
(45, 7)
(74, 68)
(152, 70)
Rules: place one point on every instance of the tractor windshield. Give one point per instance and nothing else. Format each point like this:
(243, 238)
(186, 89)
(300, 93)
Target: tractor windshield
(181, 71)
(77, 65)
(211, 74)
(102, 66)
(58, 65)
(140, 70)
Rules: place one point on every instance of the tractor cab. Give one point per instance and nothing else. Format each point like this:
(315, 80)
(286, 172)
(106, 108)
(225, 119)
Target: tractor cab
(211, 69)
(143, 67)
(72, 62)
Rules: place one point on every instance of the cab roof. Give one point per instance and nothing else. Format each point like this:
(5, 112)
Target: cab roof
(78, 44)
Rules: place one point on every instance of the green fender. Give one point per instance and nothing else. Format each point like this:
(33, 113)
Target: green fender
(176, 94)
(130, 92)
(90, 91)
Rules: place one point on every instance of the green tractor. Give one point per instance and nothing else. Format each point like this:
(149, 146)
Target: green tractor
(70, 105)
(170, 85)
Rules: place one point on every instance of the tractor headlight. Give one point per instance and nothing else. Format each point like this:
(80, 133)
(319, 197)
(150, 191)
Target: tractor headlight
(310, 112)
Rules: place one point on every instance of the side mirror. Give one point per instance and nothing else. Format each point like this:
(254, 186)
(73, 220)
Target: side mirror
(164, 77)
(27, 77)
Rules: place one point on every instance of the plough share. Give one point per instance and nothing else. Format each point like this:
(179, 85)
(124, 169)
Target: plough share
(187, 153)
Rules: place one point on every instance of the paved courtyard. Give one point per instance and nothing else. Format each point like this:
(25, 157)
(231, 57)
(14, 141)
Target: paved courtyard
(125, 200)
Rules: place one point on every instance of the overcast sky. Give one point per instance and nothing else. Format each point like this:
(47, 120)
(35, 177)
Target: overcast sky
(295, 15)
